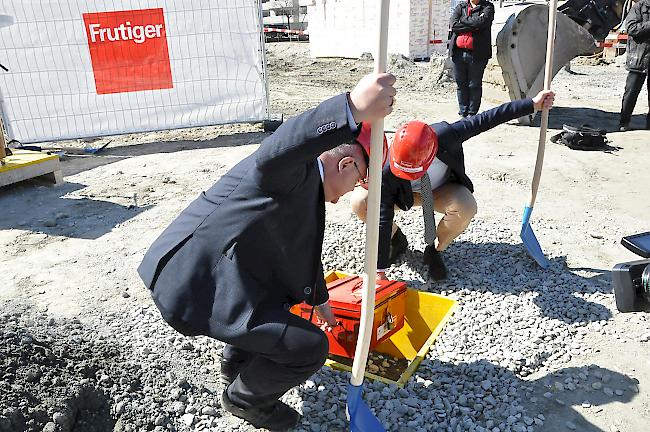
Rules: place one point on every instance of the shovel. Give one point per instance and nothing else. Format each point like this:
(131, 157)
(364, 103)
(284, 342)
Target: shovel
(527, 234)
(359, 414)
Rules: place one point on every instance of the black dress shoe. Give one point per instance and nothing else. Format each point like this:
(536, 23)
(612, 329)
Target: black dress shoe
(624, 127)
(278, 417)
(398, 245)
(433, 260)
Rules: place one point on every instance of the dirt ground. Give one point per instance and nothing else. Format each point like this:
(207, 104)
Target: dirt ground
(71, 251)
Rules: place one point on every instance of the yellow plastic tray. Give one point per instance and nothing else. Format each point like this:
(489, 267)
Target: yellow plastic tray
(426, 315)
(23, 158)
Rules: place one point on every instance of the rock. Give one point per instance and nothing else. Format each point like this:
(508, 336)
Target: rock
(586, 404)
(49, 223)
(188, 419)
(619, 392)
(120, 407)
(187, 346)
(608, 391)
(606, 378)
(60, 419)
(208, 410)
(570, 425)
(161, 420)
(49, 427)
(596, 385)
(33, 375)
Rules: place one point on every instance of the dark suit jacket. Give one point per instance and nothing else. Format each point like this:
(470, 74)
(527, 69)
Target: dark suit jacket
(479, 23)
(247, 248)
(397, 192)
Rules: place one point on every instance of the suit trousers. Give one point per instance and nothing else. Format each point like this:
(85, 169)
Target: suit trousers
(633, 86)
(453, 200)
(265, 376)
(468, 73)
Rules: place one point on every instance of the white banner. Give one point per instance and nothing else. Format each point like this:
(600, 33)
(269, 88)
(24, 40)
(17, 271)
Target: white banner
(79, 68)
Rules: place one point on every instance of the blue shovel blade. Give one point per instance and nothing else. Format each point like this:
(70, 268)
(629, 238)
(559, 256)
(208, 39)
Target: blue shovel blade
(361, 418)
(530, 241)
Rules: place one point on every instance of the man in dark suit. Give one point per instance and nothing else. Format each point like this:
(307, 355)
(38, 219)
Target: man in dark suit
(447, 188)
(236, 259)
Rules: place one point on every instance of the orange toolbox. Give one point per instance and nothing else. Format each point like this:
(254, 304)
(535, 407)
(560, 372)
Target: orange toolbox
(345, 299)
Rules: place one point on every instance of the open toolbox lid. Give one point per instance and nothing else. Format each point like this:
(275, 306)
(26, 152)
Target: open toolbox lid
(346, 293)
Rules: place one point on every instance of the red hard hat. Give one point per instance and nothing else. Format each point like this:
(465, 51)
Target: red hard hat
(414, 147)
(364, 140)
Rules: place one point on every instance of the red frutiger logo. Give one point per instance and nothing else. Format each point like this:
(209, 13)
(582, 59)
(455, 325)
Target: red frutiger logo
(128, 50)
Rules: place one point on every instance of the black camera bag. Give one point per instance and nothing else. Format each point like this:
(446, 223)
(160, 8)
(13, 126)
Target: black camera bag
(581, 138)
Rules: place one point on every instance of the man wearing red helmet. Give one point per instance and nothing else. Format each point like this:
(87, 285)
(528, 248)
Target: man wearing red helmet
(234, 261)
(426, 167)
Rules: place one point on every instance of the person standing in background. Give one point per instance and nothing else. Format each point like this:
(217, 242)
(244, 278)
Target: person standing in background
(470, 48)
(638, 61)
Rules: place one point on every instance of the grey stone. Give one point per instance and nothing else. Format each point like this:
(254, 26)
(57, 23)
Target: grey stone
(60, 419)
(209, 411)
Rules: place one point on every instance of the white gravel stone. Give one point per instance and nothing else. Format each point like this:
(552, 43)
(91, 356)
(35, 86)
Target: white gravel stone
(188, 419)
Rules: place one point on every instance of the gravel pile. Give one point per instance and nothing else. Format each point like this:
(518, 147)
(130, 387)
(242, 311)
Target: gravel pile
(130, 372)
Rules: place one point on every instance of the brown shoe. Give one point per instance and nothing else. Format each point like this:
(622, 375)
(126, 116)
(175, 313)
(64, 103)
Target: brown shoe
(278, 417)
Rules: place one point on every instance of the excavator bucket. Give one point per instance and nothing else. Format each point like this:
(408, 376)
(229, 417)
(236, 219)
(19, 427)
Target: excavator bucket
(521, 49)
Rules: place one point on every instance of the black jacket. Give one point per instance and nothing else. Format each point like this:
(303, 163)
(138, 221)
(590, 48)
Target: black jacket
(479, 23)
(397, 192)
(250, 246)
(638, 44)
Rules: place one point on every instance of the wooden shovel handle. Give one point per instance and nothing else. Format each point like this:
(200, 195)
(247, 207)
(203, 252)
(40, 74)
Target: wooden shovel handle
(372, 221)
(548, 76)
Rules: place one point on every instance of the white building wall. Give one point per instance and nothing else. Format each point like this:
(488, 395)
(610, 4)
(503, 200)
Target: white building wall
(348, 28)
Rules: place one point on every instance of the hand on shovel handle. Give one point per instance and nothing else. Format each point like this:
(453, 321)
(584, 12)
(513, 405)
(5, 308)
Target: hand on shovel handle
(544, 100)
(372, 98)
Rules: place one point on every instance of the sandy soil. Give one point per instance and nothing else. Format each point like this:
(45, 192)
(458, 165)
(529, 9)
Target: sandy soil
(72, 250)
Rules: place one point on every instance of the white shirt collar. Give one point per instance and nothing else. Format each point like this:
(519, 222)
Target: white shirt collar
(320, 170)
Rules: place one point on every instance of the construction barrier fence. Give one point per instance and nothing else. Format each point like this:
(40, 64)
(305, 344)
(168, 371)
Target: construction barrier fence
(78, 68)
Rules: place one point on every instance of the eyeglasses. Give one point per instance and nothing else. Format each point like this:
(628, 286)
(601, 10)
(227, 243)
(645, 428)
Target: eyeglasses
(362, 179)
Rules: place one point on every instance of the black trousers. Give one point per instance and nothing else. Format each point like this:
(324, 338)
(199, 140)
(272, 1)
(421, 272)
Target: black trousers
(265, 376)
(468, 72)
(633, 85)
